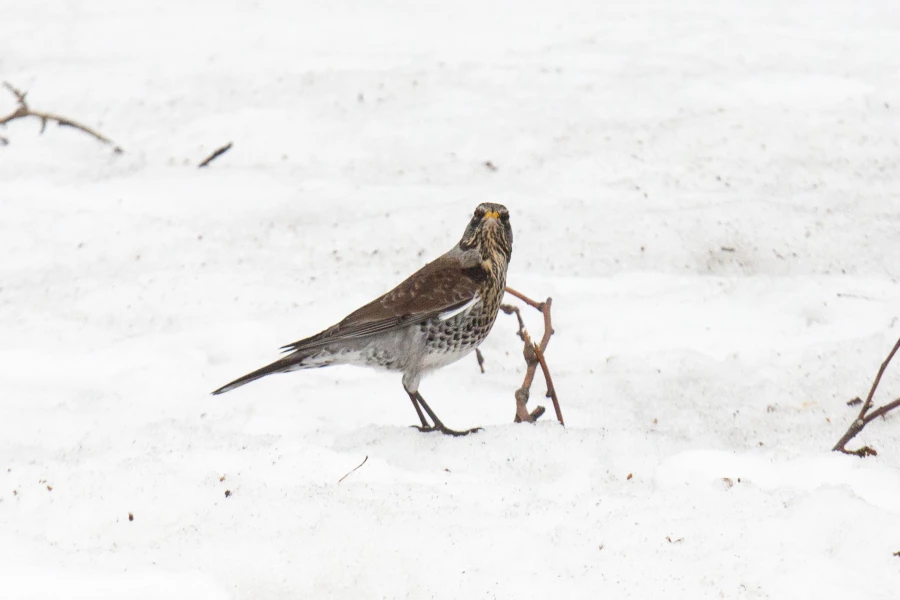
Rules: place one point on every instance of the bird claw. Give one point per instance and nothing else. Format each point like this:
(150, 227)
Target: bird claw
(447, 430)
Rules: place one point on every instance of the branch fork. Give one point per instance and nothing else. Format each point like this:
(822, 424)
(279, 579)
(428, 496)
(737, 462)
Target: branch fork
(865, 417)
(23, 110)
(533, 353)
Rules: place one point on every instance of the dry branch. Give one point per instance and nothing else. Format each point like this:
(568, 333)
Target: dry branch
(219, 152)
(510, 310)
(23, 110)
(551, 391)
(354, 469)
(865, 417)
(534, 356)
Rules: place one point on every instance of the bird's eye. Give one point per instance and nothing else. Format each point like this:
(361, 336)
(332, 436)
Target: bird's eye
(504, 216)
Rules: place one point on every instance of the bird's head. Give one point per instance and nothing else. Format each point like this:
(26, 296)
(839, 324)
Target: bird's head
(489, 231)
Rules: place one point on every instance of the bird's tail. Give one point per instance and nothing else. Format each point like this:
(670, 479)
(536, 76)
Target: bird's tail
(291, 362)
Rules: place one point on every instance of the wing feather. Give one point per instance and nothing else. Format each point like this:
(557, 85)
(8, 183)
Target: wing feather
(442, 287)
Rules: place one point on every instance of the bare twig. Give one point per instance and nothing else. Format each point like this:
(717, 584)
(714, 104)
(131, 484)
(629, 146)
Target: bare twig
(510, 309)
(524, 298)
(534, 356)
(219, 152)
(864, 417)
(855, 296)
(523, 393)
(551, 392)
(23, 110)
(358, 466)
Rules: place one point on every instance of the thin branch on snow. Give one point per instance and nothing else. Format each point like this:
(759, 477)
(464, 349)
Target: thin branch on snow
(534, 356)
(357, 466)
(23, 110)
(219, 152)
(865, 417)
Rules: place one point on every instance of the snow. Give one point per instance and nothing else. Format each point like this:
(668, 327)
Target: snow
(709, 191)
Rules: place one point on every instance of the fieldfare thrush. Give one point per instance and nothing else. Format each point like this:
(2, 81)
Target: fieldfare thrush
(441, 313)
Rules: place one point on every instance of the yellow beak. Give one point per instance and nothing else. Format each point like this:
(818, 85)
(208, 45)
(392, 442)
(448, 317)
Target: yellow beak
(491, 215)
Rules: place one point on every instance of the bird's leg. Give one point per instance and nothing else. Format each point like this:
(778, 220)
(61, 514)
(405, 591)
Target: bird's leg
(415, 402)
(438, 426)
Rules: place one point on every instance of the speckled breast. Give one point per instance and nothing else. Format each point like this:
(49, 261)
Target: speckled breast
(465, 331)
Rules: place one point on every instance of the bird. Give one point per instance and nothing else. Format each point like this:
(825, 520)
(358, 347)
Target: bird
(435, 317)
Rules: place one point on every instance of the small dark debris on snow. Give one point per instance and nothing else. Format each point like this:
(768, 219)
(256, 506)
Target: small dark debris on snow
(854, 402)
(130, 517)
(727, 249)
(228, 493)
(216, 154)
(728, 482)
(897, 553)
(770, 408)
(49, 488)
(671, 541)
(354, 469)
(630, 475)
(222, 478)
(491, 166)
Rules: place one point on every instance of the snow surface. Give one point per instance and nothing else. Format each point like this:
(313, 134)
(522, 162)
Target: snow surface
(710, 191)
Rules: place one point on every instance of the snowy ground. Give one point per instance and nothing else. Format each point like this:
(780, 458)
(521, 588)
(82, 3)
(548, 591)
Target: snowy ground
(710, 191)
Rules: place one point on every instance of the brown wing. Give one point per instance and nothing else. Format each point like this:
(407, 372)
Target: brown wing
(439, 286)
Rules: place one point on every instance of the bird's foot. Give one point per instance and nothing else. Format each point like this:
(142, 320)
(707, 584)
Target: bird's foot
(447, 431)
